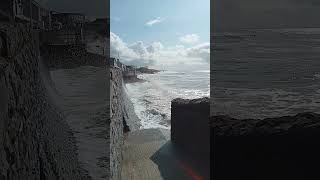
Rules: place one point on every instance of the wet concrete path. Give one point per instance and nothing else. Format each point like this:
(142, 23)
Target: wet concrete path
(82, 96)
(149, 155)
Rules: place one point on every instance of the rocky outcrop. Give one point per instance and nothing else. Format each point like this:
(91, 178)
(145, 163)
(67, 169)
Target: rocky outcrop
(145, 70)
(35, 140)
(273, 148)
(133, 79)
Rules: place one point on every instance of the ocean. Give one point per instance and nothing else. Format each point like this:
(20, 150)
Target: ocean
(266, 73)
(152, 98)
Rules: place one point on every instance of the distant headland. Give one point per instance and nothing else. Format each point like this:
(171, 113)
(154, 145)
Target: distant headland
(146, 70)
(130, 73)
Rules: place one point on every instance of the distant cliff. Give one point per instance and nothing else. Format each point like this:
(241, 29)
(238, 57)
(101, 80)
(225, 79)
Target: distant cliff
(146, 70)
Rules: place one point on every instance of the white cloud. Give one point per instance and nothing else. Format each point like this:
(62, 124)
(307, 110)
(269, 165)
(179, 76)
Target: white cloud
(118, 47)
(139, 48)
(156, 54)
(155, 47)
(190, 38)
(200, 51)
(154, 21)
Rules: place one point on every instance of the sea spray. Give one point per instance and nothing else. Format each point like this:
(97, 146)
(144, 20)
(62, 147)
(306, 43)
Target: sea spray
(130, 117)
(152, 98)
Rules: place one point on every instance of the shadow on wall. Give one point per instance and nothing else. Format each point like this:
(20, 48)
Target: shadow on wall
(186, 156)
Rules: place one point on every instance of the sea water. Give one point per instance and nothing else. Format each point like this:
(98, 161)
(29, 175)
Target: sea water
(152, 98)
(266, 73)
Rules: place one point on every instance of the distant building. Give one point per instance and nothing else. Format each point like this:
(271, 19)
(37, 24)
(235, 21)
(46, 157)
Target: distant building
(119, 64)
(100, 22)
(64, 37)
(28, 11)
(69, 20)
(124, 68)
(99, 25)
(46, 19)
(127, 71)
(67, 29)
(56, 25)
(114, 62)
(130, 71)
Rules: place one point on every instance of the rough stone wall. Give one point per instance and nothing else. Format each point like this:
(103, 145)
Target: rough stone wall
(116, 123)
(35, 141)
(70, 56)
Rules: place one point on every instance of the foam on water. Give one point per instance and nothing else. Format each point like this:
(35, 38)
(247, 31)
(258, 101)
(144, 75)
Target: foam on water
(274, 73)
(152, 99)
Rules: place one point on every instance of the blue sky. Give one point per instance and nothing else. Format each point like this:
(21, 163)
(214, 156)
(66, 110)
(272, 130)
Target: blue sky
(171, 23)
(180, 17)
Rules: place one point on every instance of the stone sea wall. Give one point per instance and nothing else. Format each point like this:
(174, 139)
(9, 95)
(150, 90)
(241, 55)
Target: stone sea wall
(122, 120)
(35, 140)
(116, 122)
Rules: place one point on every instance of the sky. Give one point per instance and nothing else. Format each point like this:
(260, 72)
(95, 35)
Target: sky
(150, 32)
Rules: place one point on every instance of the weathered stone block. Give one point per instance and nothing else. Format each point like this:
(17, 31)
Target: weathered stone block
(190, 128)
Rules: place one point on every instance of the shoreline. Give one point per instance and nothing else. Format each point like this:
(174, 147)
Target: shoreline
(133, 80)
(132, 121)
(161, 116)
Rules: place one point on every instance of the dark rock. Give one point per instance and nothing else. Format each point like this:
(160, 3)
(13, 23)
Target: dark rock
(133, 79)
(146, 70)
(272, 148)
(126, 128)
(227, 126)
(190, 102)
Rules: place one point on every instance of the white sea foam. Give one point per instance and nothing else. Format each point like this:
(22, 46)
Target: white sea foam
(152, 99)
